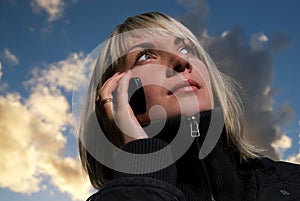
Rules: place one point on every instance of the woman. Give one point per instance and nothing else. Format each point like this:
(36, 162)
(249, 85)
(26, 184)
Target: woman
(186, 96)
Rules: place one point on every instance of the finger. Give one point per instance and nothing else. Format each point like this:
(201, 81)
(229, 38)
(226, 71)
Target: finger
(111, 78)
(104, 107)
(109, 86)
(123, 116)
(122, 90)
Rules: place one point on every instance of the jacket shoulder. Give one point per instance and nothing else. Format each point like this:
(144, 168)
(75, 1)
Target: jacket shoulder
(137, 188)
(280, 168)
(277, 180)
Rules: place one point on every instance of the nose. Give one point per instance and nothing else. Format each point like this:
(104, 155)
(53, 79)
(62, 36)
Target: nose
(177, 64)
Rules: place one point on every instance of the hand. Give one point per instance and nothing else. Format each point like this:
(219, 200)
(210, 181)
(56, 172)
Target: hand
(120, 124)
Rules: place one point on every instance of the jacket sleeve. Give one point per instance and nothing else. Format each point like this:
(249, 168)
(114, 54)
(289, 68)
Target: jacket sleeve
(155, 186)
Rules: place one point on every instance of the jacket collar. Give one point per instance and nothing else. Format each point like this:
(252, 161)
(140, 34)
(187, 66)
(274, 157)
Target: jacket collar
(220, 172)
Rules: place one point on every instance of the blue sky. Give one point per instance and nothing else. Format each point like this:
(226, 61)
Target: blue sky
(42, 46)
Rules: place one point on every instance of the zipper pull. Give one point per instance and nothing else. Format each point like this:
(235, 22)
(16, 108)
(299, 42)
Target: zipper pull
(212, 197)
(194, 126)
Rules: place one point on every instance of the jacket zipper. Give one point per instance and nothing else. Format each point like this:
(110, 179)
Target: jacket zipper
(212, 197)
(207, 177)
(194, 131)
(194, 126)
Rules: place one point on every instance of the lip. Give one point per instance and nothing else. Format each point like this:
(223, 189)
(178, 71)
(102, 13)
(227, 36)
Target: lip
(185, 86)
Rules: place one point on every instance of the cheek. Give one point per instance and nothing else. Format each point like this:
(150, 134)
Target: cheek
(153, 94)
(205, 95)
(201, 70)
(150, 73)
(152, 78)
(155, 103)
(201, 73)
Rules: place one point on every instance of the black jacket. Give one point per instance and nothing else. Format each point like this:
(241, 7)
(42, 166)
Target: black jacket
(220, 176)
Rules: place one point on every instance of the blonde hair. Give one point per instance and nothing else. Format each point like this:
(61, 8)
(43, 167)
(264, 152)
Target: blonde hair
(225, 89)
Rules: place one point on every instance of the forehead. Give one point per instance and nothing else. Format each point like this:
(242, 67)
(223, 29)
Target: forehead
(122, 44)
(155, 42)
(134, 36)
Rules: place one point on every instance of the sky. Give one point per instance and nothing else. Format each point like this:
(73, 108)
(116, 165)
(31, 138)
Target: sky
(44, 43)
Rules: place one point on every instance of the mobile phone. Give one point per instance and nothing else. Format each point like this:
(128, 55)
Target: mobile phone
(136, 96)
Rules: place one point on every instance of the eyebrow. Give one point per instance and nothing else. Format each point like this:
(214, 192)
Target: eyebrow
(179, 40)
(145, 45)
(148, 45)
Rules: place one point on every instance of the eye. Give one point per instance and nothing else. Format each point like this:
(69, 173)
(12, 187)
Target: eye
(187, 49)
(143, 56)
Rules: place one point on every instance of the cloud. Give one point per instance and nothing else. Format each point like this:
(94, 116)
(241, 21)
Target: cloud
(32, 132)
(197, 11)
(250, 62)
(252, 66)
(258, 41)
(294, 159)
(3, 85)
(57, 75)
(281, 144)
(279, 41)
(1, 73)
(17, 157)
(285, 114)
(53, 8)
(12, 1)
(66, 174)
(10, 57)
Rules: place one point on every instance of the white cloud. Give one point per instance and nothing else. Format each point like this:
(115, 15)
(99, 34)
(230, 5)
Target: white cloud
(262, 37)
(17, 174)
(282, 144)
(32, 134)
(258, 41)
(224, 34)
(65, 173)
(294, 159)
(58, 74)
(10, 57)
(54, 8)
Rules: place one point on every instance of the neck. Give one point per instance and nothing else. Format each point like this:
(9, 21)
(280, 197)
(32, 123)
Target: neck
(197, 126)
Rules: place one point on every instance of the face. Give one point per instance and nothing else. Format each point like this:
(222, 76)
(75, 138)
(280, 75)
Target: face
(175, 80)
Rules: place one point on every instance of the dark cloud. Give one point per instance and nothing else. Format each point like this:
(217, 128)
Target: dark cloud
(195, 17)
(279, 41)
(286, 114)
(253, 68)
